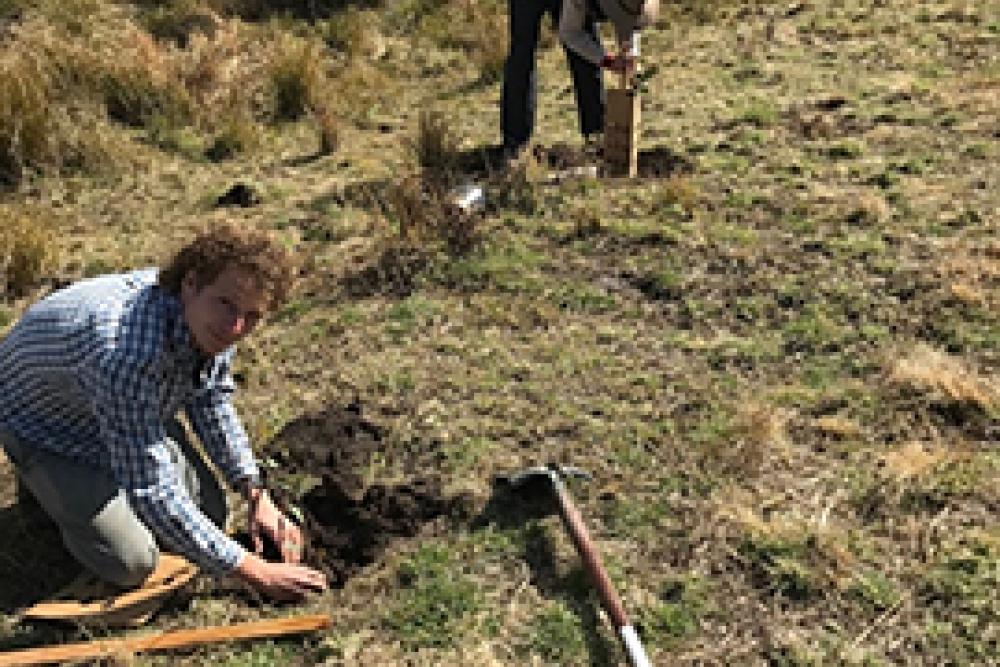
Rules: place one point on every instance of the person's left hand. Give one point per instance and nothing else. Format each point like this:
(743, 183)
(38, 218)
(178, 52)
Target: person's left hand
(267, 520)
(619, 63)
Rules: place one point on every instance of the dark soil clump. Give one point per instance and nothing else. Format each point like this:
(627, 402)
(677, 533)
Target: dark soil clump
(661, 162)
(346, 535)
(347, 525)
(564, 156)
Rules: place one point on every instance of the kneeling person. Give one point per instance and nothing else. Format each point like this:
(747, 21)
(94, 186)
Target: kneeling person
(93, 378)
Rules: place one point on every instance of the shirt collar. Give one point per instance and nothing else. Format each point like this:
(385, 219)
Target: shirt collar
(182, 342)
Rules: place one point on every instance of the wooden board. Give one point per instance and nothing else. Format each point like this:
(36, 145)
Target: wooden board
(621, 132)
(89, 601)
(164, 641)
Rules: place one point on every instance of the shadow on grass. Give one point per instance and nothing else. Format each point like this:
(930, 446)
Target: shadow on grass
(311, 10)
(524, 506)
(33, 566)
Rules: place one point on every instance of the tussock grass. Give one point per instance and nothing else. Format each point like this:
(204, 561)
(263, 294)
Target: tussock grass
(27, 127)
(426, 217)
(329, 127)
(28, 250)
(295, 78)
(238, 134)
(180, 20)
(435, 145)
(355, 32)
(792, 558)
(518, 188)
(477, 28)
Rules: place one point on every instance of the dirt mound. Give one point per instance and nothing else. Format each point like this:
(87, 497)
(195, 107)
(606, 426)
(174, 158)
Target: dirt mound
(347, 525)
(336, 442)
(564, 156)
(346, 535)
(657, 162)
(661, 162)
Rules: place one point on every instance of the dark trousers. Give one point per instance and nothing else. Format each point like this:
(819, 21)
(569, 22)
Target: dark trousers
(518, 100)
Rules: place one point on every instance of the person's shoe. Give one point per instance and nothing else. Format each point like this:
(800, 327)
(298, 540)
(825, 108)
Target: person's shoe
(593, 145)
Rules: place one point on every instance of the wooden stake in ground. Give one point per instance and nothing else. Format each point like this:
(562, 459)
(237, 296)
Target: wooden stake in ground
(164, 641)
(621, 128)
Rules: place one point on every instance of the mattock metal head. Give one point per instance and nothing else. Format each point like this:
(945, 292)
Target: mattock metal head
(553, 471)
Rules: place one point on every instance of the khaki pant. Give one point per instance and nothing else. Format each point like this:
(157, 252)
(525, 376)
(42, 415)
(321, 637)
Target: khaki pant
(98, 525)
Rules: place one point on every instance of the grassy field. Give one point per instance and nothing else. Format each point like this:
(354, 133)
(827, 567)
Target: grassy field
(780, 361)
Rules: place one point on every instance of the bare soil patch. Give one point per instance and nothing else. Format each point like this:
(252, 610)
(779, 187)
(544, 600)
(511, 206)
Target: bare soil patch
(349, 524)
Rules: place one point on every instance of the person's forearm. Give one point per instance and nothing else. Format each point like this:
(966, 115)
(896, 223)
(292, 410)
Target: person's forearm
(573, 34)
(250, 568)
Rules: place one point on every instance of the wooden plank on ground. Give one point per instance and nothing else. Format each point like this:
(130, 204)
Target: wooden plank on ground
(165, 641)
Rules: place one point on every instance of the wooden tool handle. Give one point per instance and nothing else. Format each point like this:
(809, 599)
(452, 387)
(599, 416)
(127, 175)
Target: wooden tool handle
(165, 641)
(591, 558)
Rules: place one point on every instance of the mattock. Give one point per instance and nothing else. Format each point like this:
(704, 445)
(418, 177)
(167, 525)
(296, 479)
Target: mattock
(592, 562)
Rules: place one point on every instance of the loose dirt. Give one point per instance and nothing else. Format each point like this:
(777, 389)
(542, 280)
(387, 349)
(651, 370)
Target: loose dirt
(349, 525)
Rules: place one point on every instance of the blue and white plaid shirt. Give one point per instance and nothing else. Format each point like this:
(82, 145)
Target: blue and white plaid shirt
(94, 371)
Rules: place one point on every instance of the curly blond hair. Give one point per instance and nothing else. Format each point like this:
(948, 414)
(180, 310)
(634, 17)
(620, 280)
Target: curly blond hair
(223, 246)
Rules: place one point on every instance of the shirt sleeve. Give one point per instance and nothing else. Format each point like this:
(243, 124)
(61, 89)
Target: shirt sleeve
(573, 33)
(126, 403)
(220, 430)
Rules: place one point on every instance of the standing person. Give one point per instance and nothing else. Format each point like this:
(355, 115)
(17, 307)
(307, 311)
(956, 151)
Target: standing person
(519, 97)
(93, 378)
(627, 17)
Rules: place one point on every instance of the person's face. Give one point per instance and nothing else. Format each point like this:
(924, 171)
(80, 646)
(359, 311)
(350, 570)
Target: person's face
(224, 311)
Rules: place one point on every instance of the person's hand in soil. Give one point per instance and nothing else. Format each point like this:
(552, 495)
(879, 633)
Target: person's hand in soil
(266, 520)
(286, 582)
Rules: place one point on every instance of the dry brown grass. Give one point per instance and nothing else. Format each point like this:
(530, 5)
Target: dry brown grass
(209, 66)
(27, 137)
(970, 271)
(28, 250)
(435, 145)
(915, 459)
(295, 77)
(931, 370)
(477, 28)
(330, 128)
(355, 32)
(238, 133)
(427, 219)
(180, 21)
(837, 425)
(759, 434)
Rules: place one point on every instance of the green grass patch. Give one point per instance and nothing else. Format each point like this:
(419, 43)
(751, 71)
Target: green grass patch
(436, 604)
(508, 268)
(960, 589)
(683, 601)
(781, 566)
(555, 636)
(874, 591)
